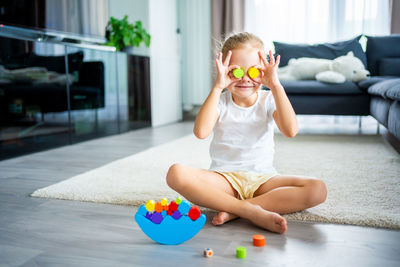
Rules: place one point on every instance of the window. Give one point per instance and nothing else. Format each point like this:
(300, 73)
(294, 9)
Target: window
(315, 21)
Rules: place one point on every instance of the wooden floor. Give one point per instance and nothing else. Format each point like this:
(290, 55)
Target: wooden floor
(48, 232)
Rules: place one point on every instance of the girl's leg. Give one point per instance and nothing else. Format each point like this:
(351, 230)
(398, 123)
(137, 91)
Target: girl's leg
(210, 189)
(285, 194)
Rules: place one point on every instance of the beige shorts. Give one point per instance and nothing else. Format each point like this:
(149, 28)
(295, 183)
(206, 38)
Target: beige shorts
(246, 183)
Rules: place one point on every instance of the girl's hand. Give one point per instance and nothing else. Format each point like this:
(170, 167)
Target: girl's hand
(269, 70)
(224, 79)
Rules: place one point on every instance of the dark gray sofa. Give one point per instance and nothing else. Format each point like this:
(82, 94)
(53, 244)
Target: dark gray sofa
(384, 104)
(378, 96)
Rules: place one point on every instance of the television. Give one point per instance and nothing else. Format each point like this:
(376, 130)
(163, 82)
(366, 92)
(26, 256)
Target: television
(23, 13)
(78, 17)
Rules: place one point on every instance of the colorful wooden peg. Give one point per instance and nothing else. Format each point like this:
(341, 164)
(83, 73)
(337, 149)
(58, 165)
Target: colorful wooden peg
(253, 72)
(194, 213)
(158, 208)
(150, 205)
(164, 201)
(238, 73)
(241, 252)
(184, 207)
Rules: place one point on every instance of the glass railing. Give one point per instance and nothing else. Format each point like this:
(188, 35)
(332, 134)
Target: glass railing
(58, 89)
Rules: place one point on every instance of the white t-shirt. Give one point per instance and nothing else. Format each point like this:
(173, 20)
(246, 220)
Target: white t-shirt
(244, 137)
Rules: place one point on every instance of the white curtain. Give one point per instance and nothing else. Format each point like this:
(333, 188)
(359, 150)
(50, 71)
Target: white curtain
(315, 21)
(78, 16)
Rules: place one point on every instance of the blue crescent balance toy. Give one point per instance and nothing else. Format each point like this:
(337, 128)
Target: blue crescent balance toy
(170, 224)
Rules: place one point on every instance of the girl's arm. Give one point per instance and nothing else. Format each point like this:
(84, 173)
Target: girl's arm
(284, 115)
(208, 113)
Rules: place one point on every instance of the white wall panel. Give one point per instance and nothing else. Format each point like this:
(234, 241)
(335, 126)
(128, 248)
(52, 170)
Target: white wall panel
(166, 104)
(195, 24)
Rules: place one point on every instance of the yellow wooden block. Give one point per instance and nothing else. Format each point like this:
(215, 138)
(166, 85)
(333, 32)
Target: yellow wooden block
(150, 205)
(164, 201)
(253, 72)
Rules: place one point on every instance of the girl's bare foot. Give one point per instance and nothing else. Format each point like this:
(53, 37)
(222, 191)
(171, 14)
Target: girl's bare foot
(223, 217)
(269, 220)
(263, 218)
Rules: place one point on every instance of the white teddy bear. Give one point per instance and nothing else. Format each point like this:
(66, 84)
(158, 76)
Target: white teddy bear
(338, 70)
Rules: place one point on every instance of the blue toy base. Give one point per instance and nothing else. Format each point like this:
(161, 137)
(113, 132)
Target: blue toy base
(170, 231)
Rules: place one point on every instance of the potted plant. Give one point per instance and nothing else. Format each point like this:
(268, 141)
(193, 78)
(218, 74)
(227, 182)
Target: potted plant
(121, 33)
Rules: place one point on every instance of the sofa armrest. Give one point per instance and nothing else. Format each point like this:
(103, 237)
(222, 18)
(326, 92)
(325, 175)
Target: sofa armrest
(388, 89)
(365, 84)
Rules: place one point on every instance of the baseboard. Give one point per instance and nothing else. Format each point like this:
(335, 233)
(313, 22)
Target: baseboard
(391, 139)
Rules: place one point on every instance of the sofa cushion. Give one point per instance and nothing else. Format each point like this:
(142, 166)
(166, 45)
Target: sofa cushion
(382, 88)
(312, 87)
(389, 66)
(326, 50)
(381, 47)
(365, 84)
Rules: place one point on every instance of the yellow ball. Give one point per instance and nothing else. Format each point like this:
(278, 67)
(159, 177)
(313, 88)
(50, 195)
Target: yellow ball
(253, 72)
(164, 202)
(150, 205)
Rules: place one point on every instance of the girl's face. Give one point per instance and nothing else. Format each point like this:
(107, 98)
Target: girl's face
(245, 87)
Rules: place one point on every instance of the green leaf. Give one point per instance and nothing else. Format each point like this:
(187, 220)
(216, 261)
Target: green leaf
(122, 33)
(147, 40)
(127, 40)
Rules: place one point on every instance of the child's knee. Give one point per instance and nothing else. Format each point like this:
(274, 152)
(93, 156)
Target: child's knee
(317, 192)
(174, 177)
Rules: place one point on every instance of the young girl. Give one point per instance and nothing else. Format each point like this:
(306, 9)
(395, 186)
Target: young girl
(242, 181)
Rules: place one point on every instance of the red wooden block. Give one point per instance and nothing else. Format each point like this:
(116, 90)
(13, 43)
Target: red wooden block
(194, 213)
(173, 206)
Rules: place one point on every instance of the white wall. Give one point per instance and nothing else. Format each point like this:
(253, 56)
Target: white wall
(135, 9)
(159, 18)
(180, 64)
(195, 24)
(166, 104)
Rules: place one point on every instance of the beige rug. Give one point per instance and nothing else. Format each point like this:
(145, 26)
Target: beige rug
(362, 174)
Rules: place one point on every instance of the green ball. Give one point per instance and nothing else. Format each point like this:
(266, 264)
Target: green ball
(178, 200)
(241, 252)
(238, 73)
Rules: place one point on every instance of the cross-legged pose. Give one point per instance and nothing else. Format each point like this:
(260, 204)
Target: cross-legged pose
(241, 181)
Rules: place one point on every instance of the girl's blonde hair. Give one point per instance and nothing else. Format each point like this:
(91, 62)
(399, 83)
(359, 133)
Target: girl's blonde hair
(240, 40)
